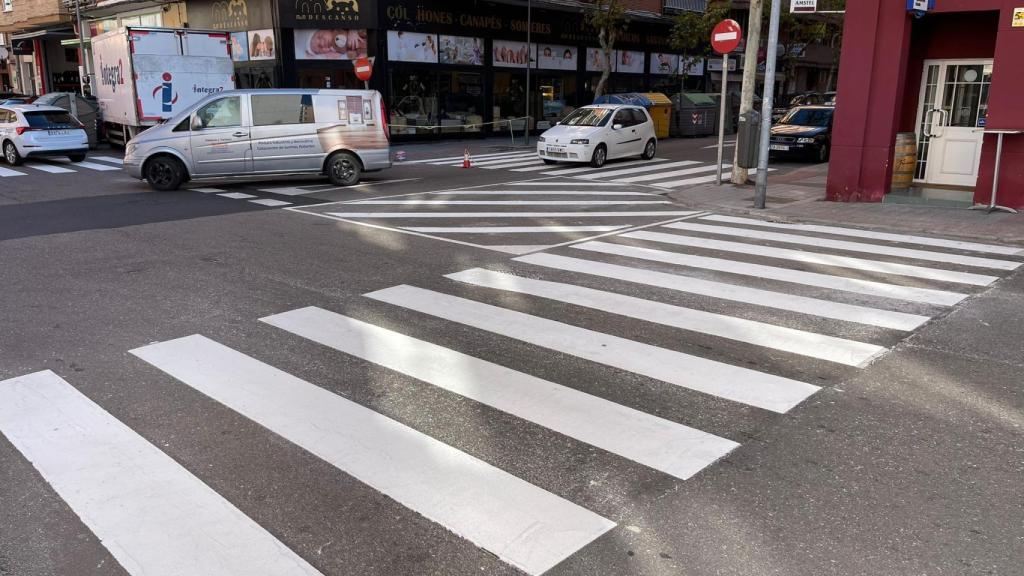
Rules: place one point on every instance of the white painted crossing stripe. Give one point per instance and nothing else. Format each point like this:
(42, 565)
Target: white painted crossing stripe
(110, 159)
(730, 382)
(513, 165)
(671, 174)
(152, 514)
(873, 235)
(540, 193)
(672, 448)
(537, 215)
(817, 258)
(820, 346)
(493, 161)
(47, 168)
(7, 172)
(95, 166)
(236, 195)
(460, 156)
(642, 168)
(536, 168)
(207, 190)
(700, 179)
(855, 285)
(926, 255)
(520, 523)
(507, 202)
(270, 202)
(607, 167)
(511, 229)
(561, 183)
(288, 191)
(732, 292)
(518, 249)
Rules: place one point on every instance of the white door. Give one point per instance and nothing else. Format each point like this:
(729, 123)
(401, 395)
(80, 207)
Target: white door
(952, 112)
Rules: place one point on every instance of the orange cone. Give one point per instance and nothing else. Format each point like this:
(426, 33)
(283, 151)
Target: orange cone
(466, 163)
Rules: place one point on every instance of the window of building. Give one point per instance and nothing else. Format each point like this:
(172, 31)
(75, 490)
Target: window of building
(273, 110)
(8, 5)
(413, 101)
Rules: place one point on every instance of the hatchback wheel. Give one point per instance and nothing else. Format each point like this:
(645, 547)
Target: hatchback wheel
(549, 161)
(343, 169)
(650, 149)
(165, 173)
(76, 157)
(600, 156)
(11, 153)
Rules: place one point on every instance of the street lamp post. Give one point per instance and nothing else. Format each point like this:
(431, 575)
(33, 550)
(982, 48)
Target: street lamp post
(529, 64)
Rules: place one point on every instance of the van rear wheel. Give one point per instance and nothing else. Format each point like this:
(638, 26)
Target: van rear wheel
(165, 173)
(343, 169)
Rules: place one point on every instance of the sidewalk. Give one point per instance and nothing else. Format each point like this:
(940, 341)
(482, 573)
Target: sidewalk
(798, 196)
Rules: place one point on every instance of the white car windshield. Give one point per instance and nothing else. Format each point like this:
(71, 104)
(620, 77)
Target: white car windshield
(588, 117)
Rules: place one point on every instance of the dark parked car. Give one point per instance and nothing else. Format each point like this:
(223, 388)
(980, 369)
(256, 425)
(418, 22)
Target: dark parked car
(805, 132)
(830, 99)
(786, 103)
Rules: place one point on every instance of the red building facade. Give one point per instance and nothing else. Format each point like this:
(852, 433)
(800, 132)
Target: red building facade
(946, 77)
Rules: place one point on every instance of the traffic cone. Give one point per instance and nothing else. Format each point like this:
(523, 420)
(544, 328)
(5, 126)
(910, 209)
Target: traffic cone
(466, 163)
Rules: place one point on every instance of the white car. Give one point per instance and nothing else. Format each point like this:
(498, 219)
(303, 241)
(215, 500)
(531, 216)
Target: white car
(29, 131)
(598, 133)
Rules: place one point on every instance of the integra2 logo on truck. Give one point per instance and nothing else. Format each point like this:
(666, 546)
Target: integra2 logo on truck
(112, 75)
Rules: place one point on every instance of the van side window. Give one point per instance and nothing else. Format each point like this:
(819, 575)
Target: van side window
(182, 126)
(223, 113)
(278, 109)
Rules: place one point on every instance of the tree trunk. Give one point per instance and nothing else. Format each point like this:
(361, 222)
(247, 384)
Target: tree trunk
(739, 175)
(606, 52)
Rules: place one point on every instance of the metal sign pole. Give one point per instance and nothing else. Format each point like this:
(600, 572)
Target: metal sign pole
(761, 190)
(721, 117)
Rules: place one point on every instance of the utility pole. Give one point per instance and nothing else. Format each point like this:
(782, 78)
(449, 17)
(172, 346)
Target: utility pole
(761, 190)
(739, 175)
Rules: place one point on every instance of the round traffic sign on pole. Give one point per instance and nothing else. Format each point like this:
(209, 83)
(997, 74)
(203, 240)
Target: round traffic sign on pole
(726, 36)
(363, 68)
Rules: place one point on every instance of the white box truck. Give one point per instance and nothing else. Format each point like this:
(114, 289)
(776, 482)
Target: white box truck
(146, 75)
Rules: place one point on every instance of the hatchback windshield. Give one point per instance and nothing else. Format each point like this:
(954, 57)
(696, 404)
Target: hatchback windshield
(588, 117)
(50, 119)
(807, 117)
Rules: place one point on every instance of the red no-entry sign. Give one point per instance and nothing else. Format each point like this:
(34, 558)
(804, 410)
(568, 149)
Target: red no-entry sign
(726, 36)
(363, 68)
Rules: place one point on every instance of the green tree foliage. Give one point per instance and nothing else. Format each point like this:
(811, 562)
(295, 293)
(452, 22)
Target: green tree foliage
(691, 31)
(608, 17)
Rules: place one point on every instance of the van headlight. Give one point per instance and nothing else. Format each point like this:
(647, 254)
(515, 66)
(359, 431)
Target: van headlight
(583, 141)
(805, 140)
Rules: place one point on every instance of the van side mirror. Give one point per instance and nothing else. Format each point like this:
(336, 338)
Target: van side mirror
(617, 127)
(197, 123)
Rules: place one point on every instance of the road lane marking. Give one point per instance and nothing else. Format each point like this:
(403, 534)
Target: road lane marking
(47, 168)
(871, 234)
(459, 157)
(537, 215)
(206, 190)
(7, 172)
(524, 525)
(152, 514)
(856, 285)
(540, 193)
(95, 166)
(507, 202)
(672, 174)
(715, 378)
(511, 229)
(733, 292)
(270, 202)
(639, 169)
(585, 167)
(817, 258)
(561, 183)
(519, 164)
(875, 249)
(672, 448)
(236, 195)
(111, 159)
(495, 161)
(810, 344)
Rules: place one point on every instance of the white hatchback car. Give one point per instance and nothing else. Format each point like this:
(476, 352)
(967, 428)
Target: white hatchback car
(598, 133)
(28, 131)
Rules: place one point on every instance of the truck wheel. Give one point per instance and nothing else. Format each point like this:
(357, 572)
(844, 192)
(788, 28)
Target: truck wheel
(164, 173)
(11, 154)
(343, 169)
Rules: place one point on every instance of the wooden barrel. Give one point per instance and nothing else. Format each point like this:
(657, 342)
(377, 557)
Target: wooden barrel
(904, 161)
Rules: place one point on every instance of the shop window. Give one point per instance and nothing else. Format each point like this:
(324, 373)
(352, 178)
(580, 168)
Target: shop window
(414, 101)
(554, 96)
(510, 98)
(460, 101)
(8, 5)
(273, 110)
(256, 77)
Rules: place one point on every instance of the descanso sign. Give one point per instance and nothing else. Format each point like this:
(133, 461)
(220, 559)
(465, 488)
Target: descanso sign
(112, 75)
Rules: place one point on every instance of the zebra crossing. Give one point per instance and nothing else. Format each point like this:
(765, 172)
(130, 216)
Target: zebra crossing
(743, 322)
(63, 166)
(659, 172)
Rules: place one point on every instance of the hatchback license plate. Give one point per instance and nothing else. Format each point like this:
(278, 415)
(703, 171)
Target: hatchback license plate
(58, 132)
(560, 149)
(779, 147)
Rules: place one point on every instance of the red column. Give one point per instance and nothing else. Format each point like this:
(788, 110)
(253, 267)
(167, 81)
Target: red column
(872, 77)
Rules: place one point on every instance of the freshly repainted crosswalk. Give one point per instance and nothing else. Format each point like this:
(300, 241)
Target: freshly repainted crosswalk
(63, 166)
(745, 331)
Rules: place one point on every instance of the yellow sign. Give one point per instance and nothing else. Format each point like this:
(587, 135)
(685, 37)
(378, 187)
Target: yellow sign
(1018, 18)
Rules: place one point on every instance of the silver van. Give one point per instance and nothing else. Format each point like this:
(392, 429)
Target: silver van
(263, 134)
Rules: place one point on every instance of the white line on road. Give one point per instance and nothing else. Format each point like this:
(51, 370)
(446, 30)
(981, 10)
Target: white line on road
(810, 344)
(817, 258)
(537, 215)
(509, 202)
(875, 249)
(713, 146)
(843, 283)
(701, 179)
(672, 448)
(7, 172)
(270, 202)
(236, 195)
(540, 193)
(511, 229)
(206, 190)
(672, 174)
(520, 523)
(496, 161)
(639, 169)
(723, 380)
(561, 183)
(519, 164)
(584, 167)
(152, 514)
(873, 235)
(459, 157)
(110, 159)
(48, 168)
(732, 292)
(288, 190)
(95, 166)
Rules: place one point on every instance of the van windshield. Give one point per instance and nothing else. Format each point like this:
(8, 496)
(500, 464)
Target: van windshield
(49, 119)
(588, 117)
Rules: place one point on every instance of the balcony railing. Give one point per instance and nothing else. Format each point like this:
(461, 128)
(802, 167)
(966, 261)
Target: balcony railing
(672, 6)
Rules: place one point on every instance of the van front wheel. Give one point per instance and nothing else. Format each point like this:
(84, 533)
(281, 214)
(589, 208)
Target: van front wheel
(343, 169)
(164, 173)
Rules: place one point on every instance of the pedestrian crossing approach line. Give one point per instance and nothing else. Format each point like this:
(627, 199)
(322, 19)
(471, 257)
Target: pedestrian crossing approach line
(612, 166)
(803, 343)
(561, 183)
(7, 173)
(540, 193)
(50, 168)
(778, 300)
(152, 514)
(519, 164)
(733, 383)
(508, 202)
(536, 215)
(459, 157)
(873, 235)
(670, 175)
(111, 159)
(523, 525)
(877, 249)
(842, 283)
(701, 179)
(95, 166)
(496, 161)
(672, 448)
(510, 229)
(817, 258)
(638, 169)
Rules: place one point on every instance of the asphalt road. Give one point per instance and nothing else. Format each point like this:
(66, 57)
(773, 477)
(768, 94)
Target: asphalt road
(422, 375)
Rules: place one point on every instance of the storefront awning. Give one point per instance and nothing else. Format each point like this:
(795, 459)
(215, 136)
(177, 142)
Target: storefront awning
(63, 33)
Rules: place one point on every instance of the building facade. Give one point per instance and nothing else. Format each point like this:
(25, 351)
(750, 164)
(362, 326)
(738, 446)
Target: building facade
(947, 77)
